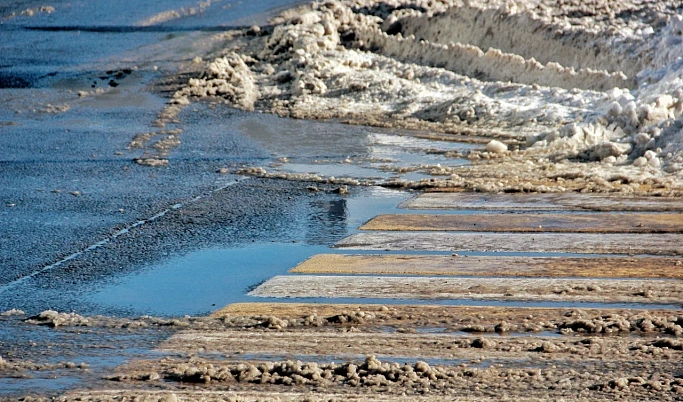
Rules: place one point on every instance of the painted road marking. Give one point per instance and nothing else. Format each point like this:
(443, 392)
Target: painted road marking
(612, 243)
(647, 267)
(542, 202)
(572, 223)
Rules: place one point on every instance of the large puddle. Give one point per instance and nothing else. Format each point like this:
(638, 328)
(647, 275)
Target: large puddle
(204, 280)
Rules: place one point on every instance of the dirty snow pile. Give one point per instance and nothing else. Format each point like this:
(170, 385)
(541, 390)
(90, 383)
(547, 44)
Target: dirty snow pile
(590, 92)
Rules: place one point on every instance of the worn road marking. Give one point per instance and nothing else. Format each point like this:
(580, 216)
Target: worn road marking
(539, 202)
(302, 344)
(657, 244)
(427, 314)
(492, 266)
(573, 223)
(547, 289)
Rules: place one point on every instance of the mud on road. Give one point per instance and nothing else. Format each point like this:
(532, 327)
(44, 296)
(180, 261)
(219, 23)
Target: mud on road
(331, 352)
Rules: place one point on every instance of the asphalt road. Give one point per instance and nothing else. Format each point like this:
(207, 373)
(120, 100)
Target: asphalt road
(67, 178)
(78, 214)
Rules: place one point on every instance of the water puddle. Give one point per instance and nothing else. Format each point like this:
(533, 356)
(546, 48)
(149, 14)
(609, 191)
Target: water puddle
(339, 150)
(9, 386)
(98, 366)
(94, 352)
(205, 280)
(201, 281)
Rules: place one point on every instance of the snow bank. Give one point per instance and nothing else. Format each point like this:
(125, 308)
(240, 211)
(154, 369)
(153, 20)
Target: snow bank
(596, 87)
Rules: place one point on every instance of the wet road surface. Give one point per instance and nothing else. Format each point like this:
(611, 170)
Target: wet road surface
(67, 177)
(86, 229)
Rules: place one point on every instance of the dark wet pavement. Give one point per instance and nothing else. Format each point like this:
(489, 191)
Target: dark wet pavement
(46, 221)
(86, 229)
(50, 46)
(67, 179)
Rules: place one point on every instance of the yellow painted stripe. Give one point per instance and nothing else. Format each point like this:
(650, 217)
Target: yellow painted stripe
(479, 314)
(542, 202)
(598, 243)
(572, 223)
(492, 266)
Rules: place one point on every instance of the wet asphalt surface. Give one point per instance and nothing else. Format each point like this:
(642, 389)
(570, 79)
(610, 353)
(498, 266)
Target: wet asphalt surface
(84, 228)
(67, 177)
(46, 222)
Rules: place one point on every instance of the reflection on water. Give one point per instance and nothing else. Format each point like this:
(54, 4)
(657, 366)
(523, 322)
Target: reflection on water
(328, 223)
(209, 278)
(204, 280)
